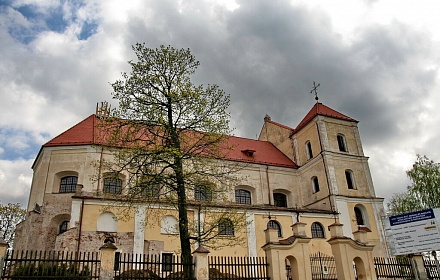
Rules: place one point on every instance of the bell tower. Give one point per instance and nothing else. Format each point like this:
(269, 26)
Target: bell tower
(328, 149)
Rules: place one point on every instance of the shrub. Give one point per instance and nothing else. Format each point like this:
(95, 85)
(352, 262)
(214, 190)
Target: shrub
(62, 271)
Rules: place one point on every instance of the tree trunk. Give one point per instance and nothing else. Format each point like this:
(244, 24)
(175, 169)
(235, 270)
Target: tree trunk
(183, 223)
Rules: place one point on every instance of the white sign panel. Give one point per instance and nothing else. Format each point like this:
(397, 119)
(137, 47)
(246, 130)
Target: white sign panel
(414, 232)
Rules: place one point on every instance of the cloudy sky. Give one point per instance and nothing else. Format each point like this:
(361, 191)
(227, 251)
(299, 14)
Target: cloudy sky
(377, 61)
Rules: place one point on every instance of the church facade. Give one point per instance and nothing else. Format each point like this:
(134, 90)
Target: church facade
(315, 173)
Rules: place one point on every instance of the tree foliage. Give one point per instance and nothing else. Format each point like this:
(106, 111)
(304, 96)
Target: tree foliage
(171, 138)
(10, 215)
(423, 193)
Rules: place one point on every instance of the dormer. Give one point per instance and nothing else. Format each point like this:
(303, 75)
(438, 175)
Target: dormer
(248, 152)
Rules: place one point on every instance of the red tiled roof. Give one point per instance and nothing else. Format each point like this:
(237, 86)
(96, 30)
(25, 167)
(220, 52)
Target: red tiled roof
(264, 152)
(322, 110)
(82, 133)
(85, 133)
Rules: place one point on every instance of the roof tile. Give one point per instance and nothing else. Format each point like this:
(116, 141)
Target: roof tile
(322, 110)
(85, 132)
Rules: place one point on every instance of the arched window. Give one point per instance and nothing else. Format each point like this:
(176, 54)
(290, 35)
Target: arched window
(68, 184)
(242, 196)
(169, 225)
(275, 225)
(280, 199)
(341, 143)
(309, 150)
(315, 184)
(317, 230)
(350, 179)
(225, 227)
(359, 216)
(112, 185)
(64, 226)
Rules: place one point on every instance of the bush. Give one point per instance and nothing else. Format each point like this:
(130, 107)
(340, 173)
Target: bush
(62, 271)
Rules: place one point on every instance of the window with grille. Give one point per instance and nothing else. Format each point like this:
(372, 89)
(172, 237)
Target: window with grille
(149, 190)
(315, 184)
(112, 185)
(202, 193)
(275, 225)
(68, 184)
(341, 143)
(225, 227)
(280, 199)
(317, 230)
(242, 196)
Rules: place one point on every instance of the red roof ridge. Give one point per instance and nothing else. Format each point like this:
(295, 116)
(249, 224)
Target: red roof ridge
(322, 110)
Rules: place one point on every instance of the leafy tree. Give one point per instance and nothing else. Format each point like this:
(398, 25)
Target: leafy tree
(10, 215)
(423, 193)
(171, 139)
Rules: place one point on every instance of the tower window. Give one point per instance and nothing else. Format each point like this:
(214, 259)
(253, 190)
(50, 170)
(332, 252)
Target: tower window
(242, 196)
(359, 216)
(341, 143)
(315, 184)
(275, 225)
(350, 180)
(317, 230)
(280, 199)
(68, 184)
(309, 150)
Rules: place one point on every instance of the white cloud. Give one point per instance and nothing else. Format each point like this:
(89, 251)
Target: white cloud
(375, 63)
(15, 180)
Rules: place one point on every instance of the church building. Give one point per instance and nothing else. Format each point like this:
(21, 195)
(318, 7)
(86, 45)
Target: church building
(315, 173)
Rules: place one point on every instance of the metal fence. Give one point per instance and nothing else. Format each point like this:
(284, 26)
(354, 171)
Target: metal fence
(323, 266)
(224, 268)
(50, 264)
(139, 266)
(393, 268)
(432, 268)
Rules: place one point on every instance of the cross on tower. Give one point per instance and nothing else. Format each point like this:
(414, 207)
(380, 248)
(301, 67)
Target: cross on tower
(315, 90)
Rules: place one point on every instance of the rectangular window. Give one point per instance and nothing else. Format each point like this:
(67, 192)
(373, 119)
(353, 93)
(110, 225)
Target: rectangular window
(315, 184)
(202, 193)
(225, 227)
(280, 200)
(167, 262)
(349, 179)
(112, 185)
(242, 196)
(341, 143)
(309, 150)
(68, 184)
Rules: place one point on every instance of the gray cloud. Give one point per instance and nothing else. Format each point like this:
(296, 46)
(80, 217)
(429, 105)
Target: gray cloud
(265, 54)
